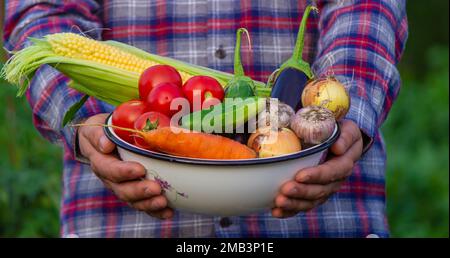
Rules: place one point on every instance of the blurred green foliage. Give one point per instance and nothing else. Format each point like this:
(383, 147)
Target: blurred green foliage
(416, 135)
(416, 130)
(30, 170)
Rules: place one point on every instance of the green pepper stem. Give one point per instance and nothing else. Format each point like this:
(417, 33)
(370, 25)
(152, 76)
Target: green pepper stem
(238, 68)
(298, 50)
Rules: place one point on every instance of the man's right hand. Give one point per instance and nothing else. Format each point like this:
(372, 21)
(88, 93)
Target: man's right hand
(124, 178)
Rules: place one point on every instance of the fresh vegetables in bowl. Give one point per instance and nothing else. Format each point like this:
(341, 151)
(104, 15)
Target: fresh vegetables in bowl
(276, 129)
(217, 143)
(202, 171)
(221, 187)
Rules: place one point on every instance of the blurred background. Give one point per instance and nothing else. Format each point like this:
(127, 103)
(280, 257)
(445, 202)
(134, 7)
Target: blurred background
(416, 134)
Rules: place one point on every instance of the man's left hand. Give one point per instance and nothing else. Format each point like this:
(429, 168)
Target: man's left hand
(314, 185)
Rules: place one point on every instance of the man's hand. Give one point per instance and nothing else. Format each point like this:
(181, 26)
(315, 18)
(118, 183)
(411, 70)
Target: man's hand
(312, 186)
(124, 178)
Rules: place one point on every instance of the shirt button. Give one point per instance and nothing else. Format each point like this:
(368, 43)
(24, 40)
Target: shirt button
(220, 52)
(225, 222)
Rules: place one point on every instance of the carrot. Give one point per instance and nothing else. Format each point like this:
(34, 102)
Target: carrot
(191, 144)
(186, 143)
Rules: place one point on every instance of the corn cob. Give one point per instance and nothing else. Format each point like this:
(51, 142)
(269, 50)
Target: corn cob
(76, 46)
(107, 70)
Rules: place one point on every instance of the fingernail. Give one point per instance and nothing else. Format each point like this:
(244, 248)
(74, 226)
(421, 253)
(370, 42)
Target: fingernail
(103, 142)
(304, 178)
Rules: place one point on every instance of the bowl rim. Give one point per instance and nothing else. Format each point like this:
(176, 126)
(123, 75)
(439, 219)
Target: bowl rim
(258, 161)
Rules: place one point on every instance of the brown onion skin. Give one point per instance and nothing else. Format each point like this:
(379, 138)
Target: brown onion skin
(329, 93)
(313, 124)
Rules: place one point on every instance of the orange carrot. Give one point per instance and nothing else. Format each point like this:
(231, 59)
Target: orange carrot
(185, 143)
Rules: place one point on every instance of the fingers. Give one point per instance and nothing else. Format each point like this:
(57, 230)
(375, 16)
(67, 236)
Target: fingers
(108, 166)
(286, 203)
(291, 207)
(280, 213)
(143, 195)
(121, 177)
(105, 145)
(111, 168)
(335, 169)
(350, 134)
(95, 137)
(313, 186)
(355, 151)
(134, 191)
(166, 213)
(310, 192)
(297, 197)
(155, 207)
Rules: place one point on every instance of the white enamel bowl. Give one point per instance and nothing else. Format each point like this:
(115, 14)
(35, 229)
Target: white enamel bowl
(221, 187)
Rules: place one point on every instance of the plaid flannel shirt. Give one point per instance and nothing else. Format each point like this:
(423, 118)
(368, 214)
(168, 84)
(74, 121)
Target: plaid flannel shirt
(360, 42)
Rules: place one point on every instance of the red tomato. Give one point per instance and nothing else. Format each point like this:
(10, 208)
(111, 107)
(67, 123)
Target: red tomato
(209, 102)
(160, 98)
(154, 75)
(124, 116)
(155, 119)
(199, 88)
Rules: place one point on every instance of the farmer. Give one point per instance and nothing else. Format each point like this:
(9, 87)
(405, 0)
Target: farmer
(359, 42)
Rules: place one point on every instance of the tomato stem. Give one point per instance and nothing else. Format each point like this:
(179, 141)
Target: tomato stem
(149, 125)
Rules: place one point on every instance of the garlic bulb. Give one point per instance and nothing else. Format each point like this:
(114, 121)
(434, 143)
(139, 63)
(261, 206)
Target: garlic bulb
(313, 124)
(276, 114)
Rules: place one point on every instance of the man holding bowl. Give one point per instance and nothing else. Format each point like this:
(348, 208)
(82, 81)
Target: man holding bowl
(359, 42)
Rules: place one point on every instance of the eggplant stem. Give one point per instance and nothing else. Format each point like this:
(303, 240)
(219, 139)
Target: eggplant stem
(298, 49)
(272, 77)
(248, 39)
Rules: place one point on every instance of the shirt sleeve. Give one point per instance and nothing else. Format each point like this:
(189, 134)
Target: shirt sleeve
(48, 94)
(360, 43)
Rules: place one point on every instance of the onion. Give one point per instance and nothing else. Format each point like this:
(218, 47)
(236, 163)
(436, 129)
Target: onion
(329, 93)
(269, 142)
(313, 124)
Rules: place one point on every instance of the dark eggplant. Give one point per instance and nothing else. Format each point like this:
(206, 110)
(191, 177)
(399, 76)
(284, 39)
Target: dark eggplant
(292, 76)
(240, 86)
(289, 86)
